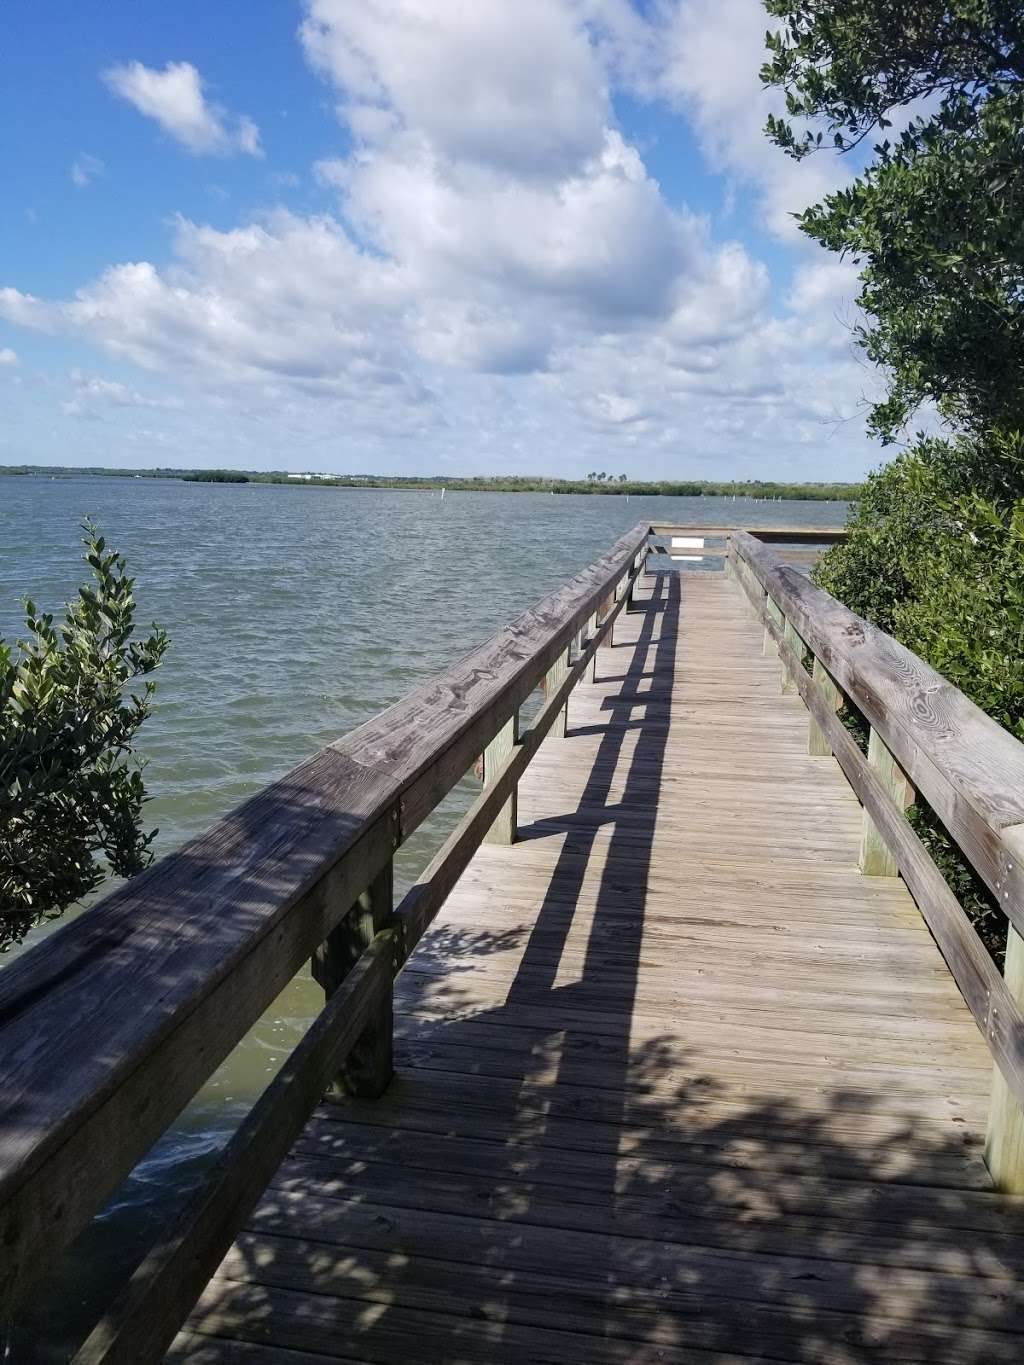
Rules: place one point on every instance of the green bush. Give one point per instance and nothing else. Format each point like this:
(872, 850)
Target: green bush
(935, 557)
(71, 790)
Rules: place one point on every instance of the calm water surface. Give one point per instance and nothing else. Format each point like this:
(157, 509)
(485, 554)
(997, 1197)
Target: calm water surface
(294, 614)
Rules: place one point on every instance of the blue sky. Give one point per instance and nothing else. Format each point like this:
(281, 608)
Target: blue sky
(413, 236)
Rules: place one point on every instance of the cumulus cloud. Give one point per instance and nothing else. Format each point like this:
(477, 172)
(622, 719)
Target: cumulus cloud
(500, 278)
(175, 98)
(85, 169)
(488, 164)
(703, 57)
(514, 87)
(7, 356)
(91, 392)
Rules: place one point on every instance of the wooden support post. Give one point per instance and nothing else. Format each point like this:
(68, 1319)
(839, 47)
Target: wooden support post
(1004, 1142)
(744, 578)
(599, 615)
(370, 1065)
(796, 644)
(876, 859)
(817, 744)
(553, 680)
(757, 588)
(632, 581)
(496, 755)
(591, 632)
(769, 648)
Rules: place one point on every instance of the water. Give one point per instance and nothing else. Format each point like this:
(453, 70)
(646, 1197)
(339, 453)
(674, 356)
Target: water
(294, 613)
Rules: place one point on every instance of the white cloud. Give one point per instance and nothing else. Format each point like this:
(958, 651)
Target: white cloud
(704, 56)
(85, 169)
(502, 282)
(91, 393)
(512, 87)
(174, 97)
(7, 356)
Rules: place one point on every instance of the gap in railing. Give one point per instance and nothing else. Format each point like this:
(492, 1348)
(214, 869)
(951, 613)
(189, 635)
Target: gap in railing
(980, 906)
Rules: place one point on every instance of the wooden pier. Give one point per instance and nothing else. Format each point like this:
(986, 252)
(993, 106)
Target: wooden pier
(689, 1053)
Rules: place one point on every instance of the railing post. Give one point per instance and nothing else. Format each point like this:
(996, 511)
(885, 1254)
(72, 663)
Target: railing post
(370, 1066)
(496, 755)
(632, 581)
(817, 743)
(748, 583)
(769, 647)
(1004, 1141)
(795, 641)
(617, 594)
(553, 680)
(591, 632)
(599, 615)
(876, 859)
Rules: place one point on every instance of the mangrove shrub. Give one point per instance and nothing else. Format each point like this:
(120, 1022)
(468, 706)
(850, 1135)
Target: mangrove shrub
(71, 789)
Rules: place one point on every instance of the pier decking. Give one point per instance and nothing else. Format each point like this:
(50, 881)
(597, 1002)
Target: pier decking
(675, 1082)
(680, 1049)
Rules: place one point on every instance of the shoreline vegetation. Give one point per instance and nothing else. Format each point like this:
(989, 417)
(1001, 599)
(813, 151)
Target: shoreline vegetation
(602, 484)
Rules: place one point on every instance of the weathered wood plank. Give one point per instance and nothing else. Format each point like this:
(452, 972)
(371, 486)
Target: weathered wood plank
(790, 535)
(876, 859)
(496, 756)
(968, 769)
(142, 1322)
(995, 1011)
(672, 1076)
(109, 1026)
(368, 1067)
(817, 744)
(1004, 1142)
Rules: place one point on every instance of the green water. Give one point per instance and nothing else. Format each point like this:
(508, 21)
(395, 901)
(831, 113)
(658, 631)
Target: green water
(294, 614)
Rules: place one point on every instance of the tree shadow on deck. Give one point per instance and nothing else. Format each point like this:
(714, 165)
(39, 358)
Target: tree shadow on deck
(552, 1179)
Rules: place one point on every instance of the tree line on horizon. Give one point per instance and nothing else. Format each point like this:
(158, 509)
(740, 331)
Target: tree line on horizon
(594, 483)
(605, 485)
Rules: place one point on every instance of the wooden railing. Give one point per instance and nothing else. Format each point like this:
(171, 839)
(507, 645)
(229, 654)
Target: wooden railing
(109, 1027)
(925, 737)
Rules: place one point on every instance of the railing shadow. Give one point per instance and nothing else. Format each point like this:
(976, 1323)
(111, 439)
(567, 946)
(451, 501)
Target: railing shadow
(559, 1177)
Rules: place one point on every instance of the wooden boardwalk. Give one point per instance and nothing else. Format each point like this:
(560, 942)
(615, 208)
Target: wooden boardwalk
(675, 1081)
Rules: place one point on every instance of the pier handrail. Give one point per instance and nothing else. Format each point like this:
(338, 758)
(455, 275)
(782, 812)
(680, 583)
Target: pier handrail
(927, 737)
(109, 1027)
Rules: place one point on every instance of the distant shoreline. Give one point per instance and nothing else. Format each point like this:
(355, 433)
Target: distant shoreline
(759, 489)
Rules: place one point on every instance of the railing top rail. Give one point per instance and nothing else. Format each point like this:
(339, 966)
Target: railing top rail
(968, 768)
(129, 1008)
(792, 535)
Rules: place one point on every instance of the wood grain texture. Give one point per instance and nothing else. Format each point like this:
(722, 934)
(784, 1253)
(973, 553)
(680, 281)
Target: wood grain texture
(369, 1066)
(496, 756)
(143, 1320)
(1004, 1140)
(986, 994)
(968, 769)
(674, 1081)
(876, 858)
(817, 743)
(111, 1025)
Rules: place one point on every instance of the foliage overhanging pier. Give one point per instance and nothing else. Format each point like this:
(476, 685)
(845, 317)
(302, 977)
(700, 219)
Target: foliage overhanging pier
(679, 1050)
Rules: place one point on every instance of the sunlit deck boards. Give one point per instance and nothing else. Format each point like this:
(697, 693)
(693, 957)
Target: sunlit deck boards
(675, 1082)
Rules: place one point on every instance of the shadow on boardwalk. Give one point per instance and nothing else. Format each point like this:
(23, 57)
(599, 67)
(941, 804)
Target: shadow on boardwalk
(540, 1186)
